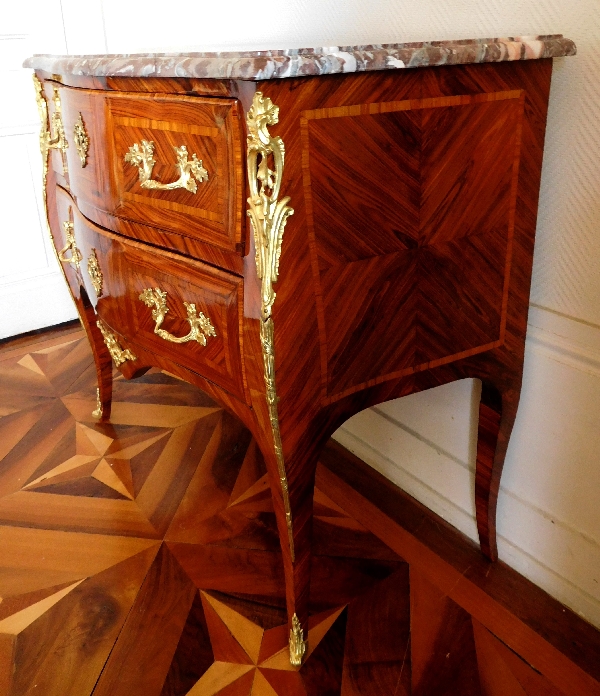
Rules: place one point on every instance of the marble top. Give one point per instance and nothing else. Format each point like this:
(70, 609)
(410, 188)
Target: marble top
(264, 65)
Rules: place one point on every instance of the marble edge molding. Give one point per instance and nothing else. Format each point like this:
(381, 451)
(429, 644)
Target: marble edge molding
(264, 65)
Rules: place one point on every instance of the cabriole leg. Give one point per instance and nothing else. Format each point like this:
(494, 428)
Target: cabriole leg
(497, 413)
(102, 359)
(294, 523)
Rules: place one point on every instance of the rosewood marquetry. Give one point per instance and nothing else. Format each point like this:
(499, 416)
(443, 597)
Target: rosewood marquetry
(393, 217)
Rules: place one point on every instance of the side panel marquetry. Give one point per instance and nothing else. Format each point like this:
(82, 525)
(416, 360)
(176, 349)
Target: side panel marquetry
(411, 212)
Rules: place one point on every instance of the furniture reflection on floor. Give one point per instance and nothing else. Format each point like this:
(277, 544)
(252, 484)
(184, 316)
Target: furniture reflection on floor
(141, 557)
(408, 200)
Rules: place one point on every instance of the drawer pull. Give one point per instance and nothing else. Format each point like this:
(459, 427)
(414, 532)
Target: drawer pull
(200, 326)
(71, 246)
(142, 157)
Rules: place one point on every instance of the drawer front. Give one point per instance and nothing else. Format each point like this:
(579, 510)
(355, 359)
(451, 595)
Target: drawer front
(175, 307)
(170, 162)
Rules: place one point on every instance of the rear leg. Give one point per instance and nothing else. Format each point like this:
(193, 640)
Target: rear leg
(497, 413)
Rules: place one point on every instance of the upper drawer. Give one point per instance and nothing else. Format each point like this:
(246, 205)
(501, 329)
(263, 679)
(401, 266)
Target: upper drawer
(172, 162)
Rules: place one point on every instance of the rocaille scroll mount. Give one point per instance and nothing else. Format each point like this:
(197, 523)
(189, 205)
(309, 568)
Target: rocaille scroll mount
(201, 327)
(268, 216)
(190, 171)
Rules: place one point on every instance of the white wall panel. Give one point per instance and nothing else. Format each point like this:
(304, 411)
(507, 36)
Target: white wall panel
(548, 511)
(287, 23)
(84, 26)
(23, 248)
(35, 302)
(32, 292)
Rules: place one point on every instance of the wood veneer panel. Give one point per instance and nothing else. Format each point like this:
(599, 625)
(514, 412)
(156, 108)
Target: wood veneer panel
(128, 268)
(523, 677)
(163, 239)
(9, 347)
(377, 654)
(63, 651)
(430, 186)
(208, 128)
(194, 653)
(186, 86)
(496, 678)
(443, 654)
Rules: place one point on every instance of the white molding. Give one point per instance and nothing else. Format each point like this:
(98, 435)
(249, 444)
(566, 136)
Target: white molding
(25, 129)
(410, 483)
(567, 340)
(556, 576)
(559, 534)
(416, 444)
(34, 303)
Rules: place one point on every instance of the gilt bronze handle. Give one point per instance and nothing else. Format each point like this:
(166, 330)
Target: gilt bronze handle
(71, 246)
(200, 326)
(142, 157)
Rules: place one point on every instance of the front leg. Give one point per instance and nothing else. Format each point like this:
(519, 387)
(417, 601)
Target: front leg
(293, 503)
(102, 358)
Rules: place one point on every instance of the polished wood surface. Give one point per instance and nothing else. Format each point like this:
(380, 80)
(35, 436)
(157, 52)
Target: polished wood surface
(141, 557)
(445, 300)
(406, 263)
(431, 245)
(129, 268)
(108, 188)
(494, 594)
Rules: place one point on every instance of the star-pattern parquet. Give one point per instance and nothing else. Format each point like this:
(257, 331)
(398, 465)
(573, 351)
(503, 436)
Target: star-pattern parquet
(140, 558)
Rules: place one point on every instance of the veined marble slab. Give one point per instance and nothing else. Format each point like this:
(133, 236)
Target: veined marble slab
(296, 62)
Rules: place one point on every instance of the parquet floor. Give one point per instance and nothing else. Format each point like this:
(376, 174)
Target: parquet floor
(140, 558)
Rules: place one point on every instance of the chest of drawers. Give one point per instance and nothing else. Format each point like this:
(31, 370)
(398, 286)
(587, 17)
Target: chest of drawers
(303, 244)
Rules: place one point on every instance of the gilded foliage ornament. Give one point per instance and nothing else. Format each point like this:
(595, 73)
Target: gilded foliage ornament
(297, 643)
(95, 273)
(268, 216)
(190, 171)
(81, 140)
(117, 353)
(70, 247)
(98, 411)
(200, 326)
(267, 213)
(47, 140)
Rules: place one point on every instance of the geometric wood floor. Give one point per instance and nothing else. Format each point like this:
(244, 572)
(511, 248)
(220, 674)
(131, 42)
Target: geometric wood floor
(140, 558)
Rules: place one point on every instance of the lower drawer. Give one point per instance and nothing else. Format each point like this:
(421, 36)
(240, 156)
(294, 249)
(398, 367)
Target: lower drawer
(173, 306)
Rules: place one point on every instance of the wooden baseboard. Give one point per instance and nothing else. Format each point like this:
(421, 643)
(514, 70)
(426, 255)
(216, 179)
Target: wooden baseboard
(551, 638)
(40, 338)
